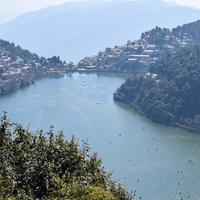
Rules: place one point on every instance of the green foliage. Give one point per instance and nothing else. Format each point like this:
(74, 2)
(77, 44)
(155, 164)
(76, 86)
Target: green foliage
(181, 35)
(98, 193)
(170, 93)
(192, 30)
(157, 36)
(46, 166)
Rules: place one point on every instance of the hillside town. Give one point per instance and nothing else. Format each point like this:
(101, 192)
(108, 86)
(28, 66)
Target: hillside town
(20, 68)
(136, 55)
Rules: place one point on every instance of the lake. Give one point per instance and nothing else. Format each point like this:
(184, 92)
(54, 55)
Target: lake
(159, 162)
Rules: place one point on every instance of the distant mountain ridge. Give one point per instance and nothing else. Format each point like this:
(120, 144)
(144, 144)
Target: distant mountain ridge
(75, 30)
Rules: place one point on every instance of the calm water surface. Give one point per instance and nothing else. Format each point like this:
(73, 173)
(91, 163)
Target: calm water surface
(159, 162)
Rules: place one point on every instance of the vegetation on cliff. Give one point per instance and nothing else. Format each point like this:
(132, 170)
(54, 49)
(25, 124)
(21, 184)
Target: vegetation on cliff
(46, 166)
(169, 93)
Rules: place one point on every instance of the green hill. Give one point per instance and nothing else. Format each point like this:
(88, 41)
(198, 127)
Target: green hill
(170, 92)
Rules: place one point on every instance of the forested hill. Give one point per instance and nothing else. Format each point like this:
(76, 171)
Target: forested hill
(140, 54)
(170, 92)
(177, 37)
(191, 29)
(19, 67)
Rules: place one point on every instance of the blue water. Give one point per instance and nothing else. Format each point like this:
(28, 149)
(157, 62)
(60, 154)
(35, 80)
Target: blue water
(159, 162)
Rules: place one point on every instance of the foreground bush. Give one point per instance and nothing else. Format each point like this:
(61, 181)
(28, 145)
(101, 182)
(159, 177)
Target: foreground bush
(46, 166)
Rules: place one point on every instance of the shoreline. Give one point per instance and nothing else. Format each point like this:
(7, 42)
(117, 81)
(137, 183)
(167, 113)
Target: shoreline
(18, 86)
(140, 112)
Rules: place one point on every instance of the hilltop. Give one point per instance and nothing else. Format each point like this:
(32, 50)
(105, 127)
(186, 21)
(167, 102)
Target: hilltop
(138, 55)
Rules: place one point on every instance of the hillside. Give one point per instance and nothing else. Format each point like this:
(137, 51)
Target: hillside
(191, 29)
(169, 93)
(20, 68)
(78, 29)
(138, 55)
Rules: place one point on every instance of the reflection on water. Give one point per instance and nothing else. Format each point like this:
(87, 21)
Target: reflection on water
(160, 163)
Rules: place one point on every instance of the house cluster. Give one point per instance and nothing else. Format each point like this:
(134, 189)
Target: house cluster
(137, 53)
(133, 53)
(19, 67)
(153, 76)
(11, 66)
(15, 72)
(12, 71)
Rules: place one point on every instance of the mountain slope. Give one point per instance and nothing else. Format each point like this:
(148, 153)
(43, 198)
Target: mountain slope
(138, 55)
(75, 30)
(169, 93)
(20, 68)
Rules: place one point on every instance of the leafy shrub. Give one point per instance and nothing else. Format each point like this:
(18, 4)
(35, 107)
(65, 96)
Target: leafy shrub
(46, 166)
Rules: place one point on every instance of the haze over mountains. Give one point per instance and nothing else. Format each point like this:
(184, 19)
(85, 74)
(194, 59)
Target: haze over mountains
(75, 30)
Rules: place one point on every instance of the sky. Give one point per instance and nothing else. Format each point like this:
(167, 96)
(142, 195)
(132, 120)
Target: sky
(192, 3)
(10, 9)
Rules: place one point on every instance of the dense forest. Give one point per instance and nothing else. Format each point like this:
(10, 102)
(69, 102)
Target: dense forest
(47, 166)
(191, 29)
(186, 34)
(170, 92)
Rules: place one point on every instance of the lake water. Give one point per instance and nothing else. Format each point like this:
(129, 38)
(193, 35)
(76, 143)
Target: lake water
(159, 162)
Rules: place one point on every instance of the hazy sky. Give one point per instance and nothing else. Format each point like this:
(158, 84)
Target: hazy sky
(10, 9)
(193, 3)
